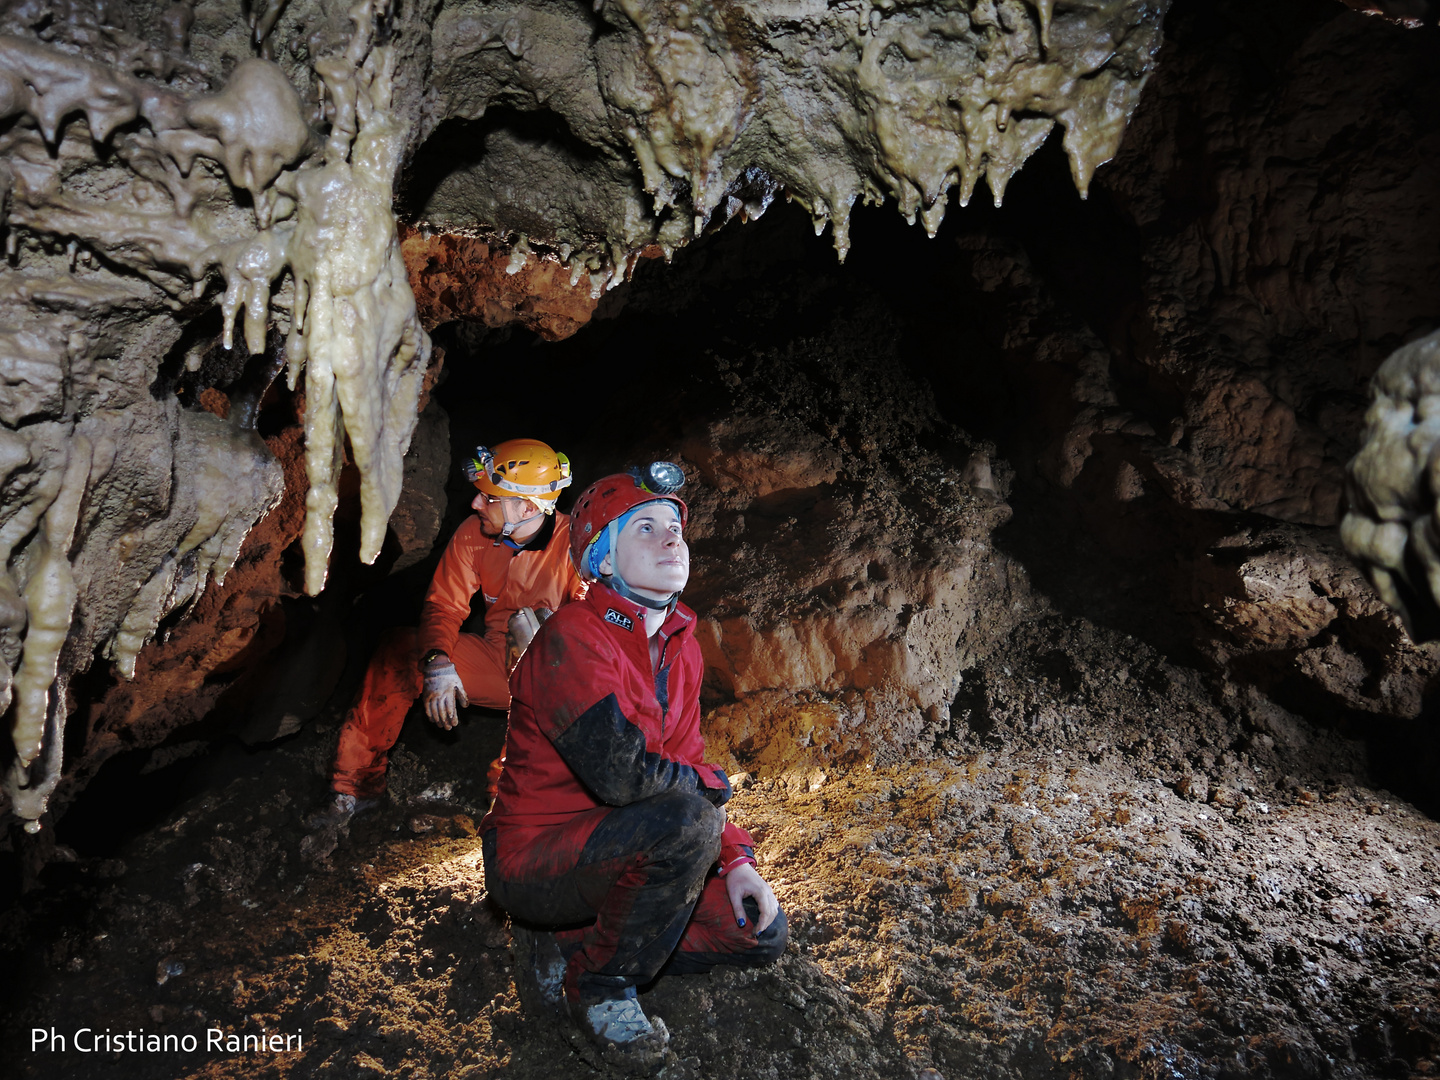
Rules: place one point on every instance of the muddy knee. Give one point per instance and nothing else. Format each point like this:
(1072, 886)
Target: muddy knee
(684, 826)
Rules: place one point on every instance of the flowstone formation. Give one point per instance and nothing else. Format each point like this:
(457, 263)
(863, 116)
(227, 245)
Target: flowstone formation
(130, 183)
(1393, 525)
(642, 122)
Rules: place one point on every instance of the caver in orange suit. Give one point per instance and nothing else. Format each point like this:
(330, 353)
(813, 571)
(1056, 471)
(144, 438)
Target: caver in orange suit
(537, 574)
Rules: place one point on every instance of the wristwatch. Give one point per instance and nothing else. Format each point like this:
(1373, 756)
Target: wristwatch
(429, 656)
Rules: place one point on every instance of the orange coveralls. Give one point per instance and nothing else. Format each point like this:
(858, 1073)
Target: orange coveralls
(538, 575)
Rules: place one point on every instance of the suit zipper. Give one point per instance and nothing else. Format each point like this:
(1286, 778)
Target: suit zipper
(655, 677)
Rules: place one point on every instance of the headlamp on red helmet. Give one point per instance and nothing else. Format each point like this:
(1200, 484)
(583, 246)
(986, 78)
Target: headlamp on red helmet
(659, 477)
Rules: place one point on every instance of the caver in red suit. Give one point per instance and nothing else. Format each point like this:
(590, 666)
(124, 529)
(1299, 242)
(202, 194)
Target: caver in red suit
(592, 729)
(608, 826)
(535, 574)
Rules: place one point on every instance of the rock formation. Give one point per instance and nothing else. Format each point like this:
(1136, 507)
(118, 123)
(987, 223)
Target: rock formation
(120, 505)
(154, 148)
(148, 162)
(726, 107)
(1392, 524)
(1073, 741)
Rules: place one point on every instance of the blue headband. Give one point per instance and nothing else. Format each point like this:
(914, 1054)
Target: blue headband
(600, 547)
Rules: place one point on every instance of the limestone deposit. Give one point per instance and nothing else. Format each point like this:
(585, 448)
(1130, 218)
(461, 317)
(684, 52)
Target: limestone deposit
(162, 149)
(115, 148)
(722, 108)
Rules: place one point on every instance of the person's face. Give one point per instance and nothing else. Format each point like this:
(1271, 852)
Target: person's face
(653, 557)
(497, 511)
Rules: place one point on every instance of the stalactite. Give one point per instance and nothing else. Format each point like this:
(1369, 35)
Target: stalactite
(1393, 525)
(354, 324)
(866, 100)
(325, 218)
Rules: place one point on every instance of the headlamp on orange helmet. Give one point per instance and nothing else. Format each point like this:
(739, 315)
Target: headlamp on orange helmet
(523, 469)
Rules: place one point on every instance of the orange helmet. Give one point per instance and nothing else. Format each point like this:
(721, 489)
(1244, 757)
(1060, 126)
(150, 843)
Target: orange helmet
(524, 468)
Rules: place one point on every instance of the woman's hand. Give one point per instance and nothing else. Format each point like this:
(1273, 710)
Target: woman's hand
(744, 881)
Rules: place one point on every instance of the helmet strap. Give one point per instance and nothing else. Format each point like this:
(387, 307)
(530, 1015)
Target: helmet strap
(510, 526)
(616, 582)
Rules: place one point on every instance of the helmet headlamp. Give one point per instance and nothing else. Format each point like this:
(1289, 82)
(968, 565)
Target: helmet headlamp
(517, 467)
(659, 477)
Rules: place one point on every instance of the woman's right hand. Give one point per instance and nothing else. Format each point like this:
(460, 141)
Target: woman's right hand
(745, 881)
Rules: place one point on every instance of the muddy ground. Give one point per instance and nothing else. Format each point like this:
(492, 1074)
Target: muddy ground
(1111, 866)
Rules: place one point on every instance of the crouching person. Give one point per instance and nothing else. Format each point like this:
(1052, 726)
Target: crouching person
(608, 843)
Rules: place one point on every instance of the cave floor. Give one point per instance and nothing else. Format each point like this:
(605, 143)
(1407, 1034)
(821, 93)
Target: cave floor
(1123, 879)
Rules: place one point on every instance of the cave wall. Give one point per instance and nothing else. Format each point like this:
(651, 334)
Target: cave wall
(1195, 347)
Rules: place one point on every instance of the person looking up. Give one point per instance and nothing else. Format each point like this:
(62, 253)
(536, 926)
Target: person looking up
(607, 842)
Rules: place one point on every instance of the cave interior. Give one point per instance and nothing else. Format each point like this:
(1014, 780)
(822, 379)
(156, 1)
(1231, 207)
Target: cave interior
(1077, 736)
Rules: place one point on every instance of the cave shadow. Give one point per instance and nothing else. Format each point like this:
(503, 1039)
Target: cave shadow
(1401, 755)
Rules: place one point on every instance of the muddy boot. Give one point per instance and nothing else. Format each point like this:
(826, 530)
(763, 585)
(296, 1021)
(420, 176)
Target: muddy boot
(609, 1016)
(336, 811)
(539, 972)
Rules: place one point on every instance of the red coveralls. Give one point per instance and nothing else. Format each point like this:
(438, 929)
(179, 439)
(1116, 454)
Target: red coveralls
(606, 812)
(538, 575)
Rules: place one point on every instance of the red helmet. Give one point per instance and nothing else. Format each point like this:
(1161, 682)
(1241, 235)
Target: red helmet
(612, 496)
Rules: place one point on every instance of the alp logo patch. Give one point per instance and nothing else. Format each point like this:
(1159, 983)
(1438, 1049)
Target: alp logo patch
(619, 618)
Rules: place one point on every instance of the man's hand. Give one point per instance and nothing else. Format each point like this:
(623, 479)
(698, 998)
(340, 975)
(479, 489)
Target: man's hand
(744, 881)
(442, 688)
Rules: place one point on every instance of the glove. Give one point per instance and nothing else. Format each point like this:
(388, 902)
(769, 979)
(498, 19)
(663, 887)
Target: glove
(442, 688)
(520, 631)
